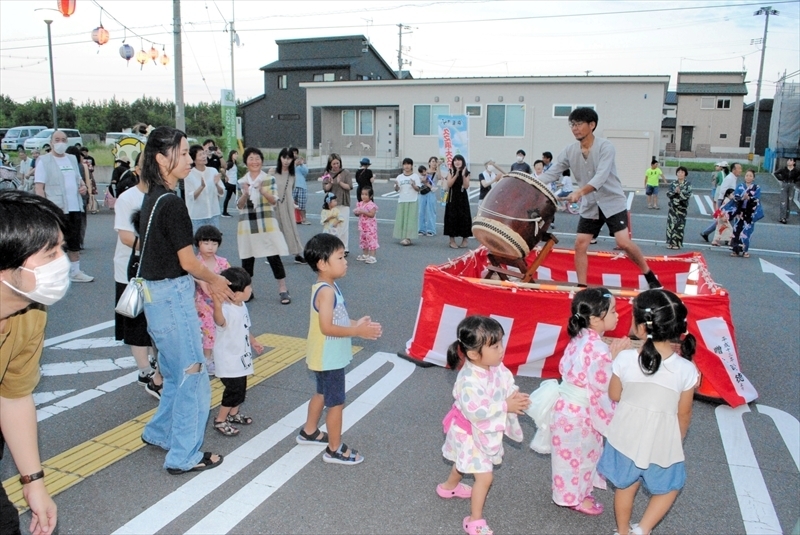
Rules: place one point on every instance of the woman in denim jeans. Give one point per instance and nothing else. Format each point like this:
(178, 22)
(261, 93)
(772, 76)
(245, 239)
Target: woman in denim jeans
(168, 266)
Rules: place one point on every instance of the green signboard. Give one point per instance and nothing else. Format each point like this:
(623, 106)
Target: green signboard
(228, 107)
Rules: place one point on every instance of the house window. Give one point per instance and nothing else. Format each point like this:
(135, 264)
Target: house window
(723, 136)
(348, 122)
(505, 120)
(288, 116)
(473, 111)
(326, 77)
(563, 110)
(723, 103)
(283, 81)
(707, 103)
(425, 118)
(366, 122)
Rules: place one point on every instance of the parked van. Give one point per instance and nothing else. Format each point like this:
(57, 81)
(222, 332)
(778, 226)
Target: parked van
(16, 137)
(41, 140)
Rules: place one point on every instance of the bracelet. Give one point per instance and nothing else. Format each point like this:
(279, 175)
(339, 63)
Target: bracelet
(33, 477)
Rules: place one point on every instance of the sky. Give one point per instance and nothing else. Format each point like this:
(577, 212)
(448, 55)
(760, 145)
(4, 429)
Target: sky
(444, 39)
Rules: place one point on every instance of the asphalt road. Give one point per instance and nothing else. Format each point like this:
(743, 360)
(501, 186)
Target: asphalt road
(268, 485)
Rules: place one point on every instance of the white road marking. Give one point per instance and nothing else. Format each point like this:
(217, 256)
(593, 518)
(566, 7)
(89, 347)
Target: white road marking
(176, 503)
(755, 504)
(710, 203)
(781, 273)
(91, 343)
(700, 206)
(87, 366)
(87, 395)
(788, 427)
(77, 334)
(630, 200)
(46, 397)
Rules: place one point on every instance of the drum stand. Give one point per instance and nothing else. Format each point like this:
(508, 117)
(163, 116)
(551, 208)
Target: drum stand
(526, 271)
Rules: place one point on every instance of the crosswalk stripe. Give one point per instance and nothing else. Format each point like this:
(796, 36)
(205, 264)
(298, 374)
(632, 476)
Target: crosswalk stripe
(699, 203)
(179, 501)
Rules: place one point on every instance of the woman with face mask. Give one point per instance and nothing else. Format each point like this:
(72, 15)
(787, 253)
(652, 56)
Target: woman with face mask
(34, 271)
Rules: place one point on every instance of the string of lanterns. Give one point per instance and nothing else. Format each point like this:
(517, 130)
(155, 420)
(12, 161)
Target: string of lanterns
(101, 36)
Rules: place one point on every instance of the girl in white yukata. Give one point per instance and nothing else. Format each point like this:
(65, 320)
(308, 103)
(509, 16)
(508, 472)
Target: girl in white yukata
(583, 410)
(654, 388)
(486, 406)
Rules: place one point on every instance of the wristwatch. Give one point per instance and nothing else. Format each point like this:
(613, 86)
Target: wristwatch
(33, 477)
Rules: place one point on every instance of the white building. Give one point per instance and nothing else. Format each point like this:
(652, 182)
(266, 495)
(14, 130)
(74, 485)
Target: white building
(387, 120)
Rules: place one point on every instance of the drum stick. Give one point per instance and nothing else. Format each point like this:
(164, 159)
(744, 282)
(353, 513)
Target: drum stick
(554, 287)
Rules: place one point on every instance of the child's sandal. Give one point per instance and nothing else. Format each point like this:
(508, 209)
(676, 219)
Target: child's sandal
(317, 437)
(240, 419)
(225, 428)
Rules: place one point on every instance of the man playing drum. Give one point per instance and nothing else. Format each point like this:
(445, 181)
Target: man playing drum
(591, 161)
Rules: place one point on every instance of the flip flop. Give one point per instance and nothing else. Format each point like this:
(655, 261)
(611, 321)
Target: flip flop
(453, 246)
(205, 464)
(285, 299)
(461, 491)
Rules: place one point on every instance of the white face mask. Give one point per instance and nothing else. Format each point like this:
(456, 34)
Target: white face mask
(520, 158)
(60, 148)
(492, 169)
(52, 281)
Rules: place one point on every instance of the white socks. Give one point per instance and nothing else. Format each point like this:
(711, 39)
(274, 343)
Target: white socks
(74, 267)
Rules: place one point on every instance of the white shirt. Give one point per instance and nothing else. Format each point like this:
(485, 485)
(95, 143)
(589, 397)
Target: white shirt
(566, 184)
(729, 182)
(407, 193)
(70, 181)
(23, 167)
(127, 203)
(233, 356)
(207, 203)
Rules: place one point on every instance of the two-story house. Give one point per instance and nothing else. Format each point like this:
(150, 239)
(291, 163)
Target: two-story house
(709, 117)
(278, 117)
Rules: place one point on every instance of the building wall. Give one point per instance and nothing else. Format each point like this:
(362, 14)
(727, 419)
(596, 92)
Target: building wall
(717, 127)
(710, 77)
(630, 108)
(762, 129)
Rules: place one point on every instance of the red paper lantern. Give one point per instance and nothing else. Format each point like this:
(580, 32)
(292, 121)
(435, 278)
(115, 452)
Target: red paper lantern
(100, 35)
(153, 54)
(66, 7)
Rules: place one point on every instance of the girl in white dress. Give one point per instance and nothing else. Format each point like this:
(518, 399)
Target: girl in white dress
(654, 389)
(486, 406)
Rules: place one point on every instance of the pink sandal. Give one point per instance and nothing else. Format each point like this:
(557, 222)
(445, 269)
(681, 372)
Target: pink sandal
(594, 510)
(477, 527)
(461, 491)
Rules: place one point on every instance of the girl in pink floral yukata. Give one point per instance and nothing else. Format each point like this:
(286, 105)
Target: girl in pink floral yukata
(486, 406)
(582, 412)
(207, 239)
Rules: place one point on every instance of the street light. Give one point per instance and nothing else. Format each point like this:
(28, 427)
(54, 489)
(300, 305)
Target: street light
(763, 11)
(48, 19)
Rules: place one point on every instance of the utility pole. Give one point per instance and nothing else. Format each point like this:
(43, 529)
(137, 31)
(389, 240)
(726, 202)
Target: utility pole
(763, 11)
(52, 77)
(400, 61)
(234, 38)
(180, 117)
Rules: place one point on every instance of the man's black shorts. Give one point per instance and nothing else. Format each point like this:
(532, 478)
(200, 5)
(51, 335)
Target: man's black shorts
(73, 235)
(615, 223)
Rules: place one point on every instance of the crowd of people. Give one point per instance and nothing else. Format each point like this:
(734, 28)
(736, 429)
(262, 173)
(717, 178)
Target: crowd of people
(171, 242)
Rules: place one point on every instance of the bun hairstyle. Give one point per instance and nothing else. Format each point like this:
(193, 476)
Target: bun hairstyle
(474, 332)
(663, 315)
(587, 303)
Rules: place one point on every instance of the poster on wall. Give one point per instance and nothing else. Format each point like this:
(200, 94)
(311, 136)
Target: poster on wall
(453, 137)
(228, 107)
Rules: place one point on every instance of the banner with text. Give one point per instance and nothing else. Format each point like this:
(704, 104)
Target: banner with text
(453, 137)
(228, 107)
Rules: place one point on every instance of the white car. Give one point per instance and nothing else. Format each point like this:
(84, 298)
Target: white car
(41, 140)
(114, 137)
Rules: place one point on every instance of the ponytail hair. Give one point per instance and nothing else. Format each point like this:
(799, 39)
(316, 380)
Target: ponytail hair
(473, 333)
(587, 303)
(663, 315)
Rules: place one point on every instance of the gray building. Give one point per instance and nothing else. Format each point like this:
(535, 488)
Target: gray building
(278, 117)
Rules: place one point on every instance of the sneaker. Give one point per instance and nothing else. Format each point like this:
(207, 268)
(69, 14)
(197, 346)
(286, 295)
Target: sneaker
(430, 234)
(361, 257)
(298, 259)
(154, 389)
(145, 378)
(225, 215)
(704, 236)
(370, 260)
(80, 276)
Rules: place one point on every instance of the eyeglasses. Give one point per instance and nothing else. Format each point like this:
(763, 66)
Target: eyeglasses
(573, 124)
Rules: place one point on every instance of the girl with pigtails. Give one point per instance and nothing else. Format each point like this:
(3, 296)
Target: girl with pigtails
(580, 410)
(486, 406)
(654, 390)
